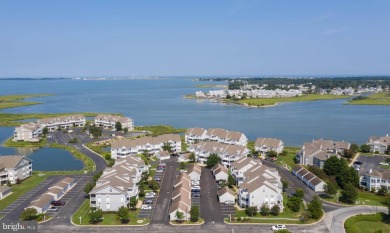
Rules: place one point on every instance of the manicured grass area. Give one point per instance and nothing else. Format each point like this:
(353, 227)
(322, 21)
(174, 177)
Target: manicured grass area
(160, 129)
(369, 198)
(263, 102)
(184, 146)
(292, 217)
(89, 165)
(10, 143)
(381, 98)
(11, 101)
(368, 223)
(20, 189)
(289, 158)
(109, 218)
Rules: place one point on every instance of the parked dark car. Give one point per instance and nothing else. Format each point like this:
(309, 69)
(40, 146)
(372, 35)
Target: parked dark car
(148, 201)
(57, 203)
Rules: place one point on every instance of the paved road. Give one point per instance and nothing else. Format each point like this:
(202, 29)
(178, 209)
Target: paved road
(335, 220)
(210, 207)
(161, 209)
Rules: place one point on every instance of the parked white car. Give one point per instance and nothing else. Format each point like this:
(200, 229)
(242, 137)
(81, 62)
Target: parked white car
(146, 207)
(384, 164)
(151, 193)
(278, 227)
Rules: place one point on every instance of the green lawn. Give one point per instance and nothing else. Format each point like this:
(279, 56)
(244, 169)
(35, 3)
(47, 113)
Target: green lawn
(368, 223)
(289, 158)
(369, 198)
(20, 189)
(272, 101)
(381, 98)
(159, 129)
(10, 143)
(109, 218)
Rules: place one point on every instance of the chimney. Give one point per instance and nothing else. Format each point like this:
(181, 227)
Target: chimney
(370, 171)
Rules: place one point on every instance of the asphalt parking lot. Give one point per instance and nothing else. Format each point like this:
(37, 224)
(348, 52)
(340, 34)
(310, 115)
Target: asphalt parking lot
(370, 162)
(209, 204)
(227, 210)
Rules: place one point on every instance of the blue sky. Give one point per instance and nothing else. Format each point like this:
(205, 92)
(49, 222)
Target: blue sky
(243, 37)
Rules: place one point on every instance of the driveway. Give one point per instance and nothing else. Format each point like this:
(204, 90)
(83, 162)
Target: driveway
(209, 205)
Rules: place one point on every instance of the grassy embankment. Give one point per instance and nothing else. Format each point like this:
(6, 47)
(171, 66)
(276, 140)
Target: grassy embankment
(109, 218)
(368, 223)
(289, 158)
(156, 130)
(381, 98)
(285, 217)
(12, 101)
(266, 102)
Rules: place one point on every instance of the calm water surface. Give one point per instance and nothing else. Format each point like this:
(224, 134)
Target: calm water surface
(44, 159)
(159, 101)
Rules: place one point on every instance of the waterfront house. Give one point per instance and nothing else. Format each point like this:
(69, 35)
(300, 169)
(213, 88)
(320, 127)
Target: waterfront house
(194, 171)
(264, 145)
(14, 167)
(220, 172)
(109, 121)
(5, 191)
(373, 179)
(62, 122)
(226, 194)
(30, 132)
(379, 144)
(194, 135)
(125, 147)
(317, 152)
(181, 197)
(228, 153)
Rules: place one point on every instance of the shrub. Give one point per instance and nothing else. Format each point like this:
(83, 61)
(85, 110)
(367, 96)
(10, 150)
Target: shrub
(251, 210)
(275, 210)
(264, 210)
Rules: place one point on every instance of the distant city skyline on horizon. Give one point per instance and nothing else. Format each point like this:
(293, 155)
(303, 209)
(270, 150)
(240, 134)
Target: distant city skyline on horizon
(202, 38)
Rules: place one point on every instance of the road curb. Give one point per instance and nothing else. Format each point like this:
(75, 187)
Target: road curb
(357, 215)
(91, 225)
(178, 225)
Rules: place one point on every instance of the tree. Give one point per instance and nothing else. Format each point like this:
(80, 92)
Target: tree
(348, 153)
(354, 148)
(45, 131)
(123, 214)
(118, 126)
(231, 181)
(365, 148)
(154, 185)
(284, 153)
(95, 216)
(347, 175)
(333, 165)
(192, 157)
(133, 203)
(272, 154)
(318, 172)
(182, 166)
(299, 193)
(387, 150)
(29, 214)
(315, 207)
(330, 188)
(285, 184)
(179, 215)
(294, 203)
(275, 210)
(264, 209)
(349, 193)
(167, 147)
(89, 186)
(126, 130)
(194, 213)
(212, 160)
(251, 210)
